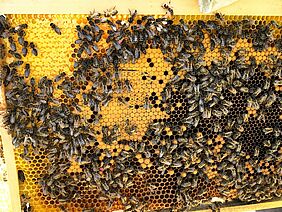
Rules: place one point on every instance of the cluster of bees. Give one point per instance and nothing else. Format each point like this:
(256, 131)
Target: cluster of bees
(215, 110)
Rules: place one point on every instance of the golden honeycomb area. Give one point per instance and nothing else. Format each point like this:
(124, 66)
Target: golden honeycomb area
(145, 149)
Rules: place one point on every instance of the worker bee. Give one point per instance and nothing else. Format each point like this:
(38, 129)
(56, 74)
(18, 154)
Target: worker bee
(107, 100)
(232, 90)
(277, 132)
(278, 82)
(147, 104)
(256, 153)
(25, 205)
(193, 106)
(21, 176)
(4, 22)
(94, 14)
(21, 27)
(55, 28)
(267, 130)
(21, 40)
(15, 54)
(201, 105)
(266, 85)
(60, 77)
(110, 12)
(119, 86)
(257, 91)
(34, 51)
(217, 113)
(168, 7)
(2, 51)
(24, 48)
(239, 148)
(217, 127)
(270, 100)
(207, 113)
(219, 16)
(132, 16)
(267, 143)
(262, 98)
(12, 44)
(122, 100)
(27, 70)
(128, 85)
(16, 64)
(244, 89)
(253, 104)
(202, 164)
(129, 128)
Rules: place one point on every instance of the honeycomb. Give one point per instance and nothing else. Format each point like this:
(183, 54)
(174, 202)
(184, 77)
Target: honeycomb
(147, 148)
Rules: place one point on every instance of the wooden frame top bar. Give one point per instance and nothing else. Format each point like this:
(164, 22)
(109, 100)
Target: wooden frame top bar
(180, 7)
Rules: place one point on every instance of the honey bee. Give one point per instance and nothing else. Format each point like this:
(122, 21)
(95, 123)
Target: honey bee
(63, 208)
(3, 21)
(2, 51)
(266, 85)
(129, 128)
(25, 205)
(267, 130)
(110, 12)
(207, 113)
(21, 176)
(24, 48)
(232, 90)
(128, 85)
(122, 100)
(239, 148)
(168, 7)
(147, 104)
(219, 16)
(256, 154)
(55, 28)
(244, 89)
(262, 98)
(94, 14)
(27, 70)
(257, 91)
(34, 51)
(16, 64)
(13, 46)
(277, 132)
(15, 54)
(132, 16)
(270, 100)
(202, 164)
(267, 143)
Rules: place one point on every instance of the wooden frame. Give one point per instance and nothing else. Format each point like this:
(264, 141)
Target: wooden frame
(187, 7)
(8, 149)
(181, 7)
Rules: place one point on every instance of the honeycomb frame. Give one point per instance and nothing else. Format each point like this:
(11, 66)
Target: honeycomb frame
(151, 83)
